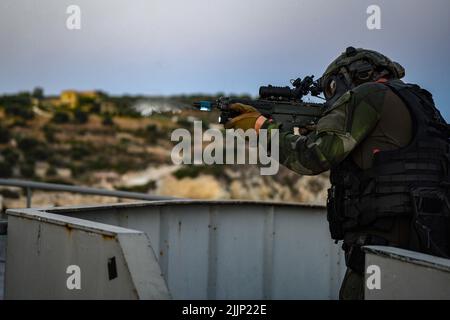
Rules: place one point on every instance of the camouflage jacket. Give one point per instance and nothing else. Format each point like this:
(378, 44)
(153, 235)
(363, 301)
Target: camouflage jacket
(365, 120)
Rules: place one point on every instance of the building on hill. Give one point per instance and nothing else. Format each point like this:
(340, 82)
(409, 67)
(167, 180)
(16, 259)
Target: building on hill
(73, 98)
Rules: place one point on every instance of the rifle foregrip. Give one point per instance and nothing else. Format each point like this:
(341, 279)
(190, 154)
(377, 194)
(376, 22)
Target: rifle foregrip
(227, 115)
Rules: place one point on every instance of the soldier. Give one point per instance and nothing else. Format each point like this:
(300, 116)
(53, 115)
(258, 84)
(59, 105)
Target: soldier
(387, 148)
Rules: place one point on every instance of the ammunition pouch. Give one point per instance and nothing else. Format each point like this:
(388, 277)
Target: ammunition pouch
(334, 214)
(431, 220)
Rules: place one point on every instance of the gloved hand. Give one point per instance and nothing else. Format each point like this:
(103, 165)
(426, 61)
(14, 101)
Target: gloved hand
(249, 118)
(307, 129)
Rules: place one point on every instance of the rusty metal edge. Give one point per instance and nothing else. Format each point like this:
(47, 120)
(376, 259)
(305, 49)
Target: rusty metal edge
(413, 257)
(182, 202)
(69, 222)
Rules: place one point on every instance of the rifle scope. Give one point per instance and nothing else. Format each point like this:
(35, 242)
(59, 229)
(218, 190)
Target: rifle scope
(275, 93)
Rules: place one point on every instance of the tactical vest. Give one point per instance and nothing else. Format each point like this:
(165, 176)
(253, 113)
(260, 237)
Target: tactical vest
(411, 181)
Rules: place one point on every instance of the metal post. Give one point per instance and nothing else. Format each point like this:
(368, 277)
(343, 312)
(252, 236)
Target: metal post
(29, 195)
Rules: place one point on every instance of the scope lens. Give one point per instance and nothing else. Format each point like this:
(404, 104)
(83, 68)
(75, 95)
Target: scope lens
(330, 88)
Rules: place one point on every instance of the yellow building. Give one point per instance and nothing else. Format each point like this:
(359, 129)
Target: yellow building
(71, 98)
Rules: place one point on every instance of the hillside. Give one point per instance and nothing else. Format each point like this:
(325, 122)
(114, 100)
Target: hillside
(104, 142)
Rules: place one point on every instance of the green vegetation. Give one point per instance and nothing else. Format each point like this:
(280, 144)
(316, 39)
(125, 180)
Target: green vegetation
(18, 105)
(51, 171)
(60, 117)
(27, 169)
(144, 188)
(10, 155)
(4, 134)
(193, 171)
(124, 105)
(153, 133)
(80, 151)
(33, 149)
(38, 93)
(5, 169)
(80, 116)
(107, 120)
(8, 193)
(49, 132)
(41, 145)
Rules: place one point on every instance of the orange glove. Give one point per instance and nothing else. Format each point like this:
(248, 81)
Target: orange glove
(249, 118)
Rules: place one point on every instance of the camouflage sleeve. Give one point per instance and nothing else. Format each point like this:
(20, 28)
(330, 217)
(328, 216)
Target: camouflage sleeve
(342, 127)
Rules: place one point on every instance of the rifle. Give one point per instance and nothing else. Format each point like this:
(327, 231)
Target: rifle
(283, 105)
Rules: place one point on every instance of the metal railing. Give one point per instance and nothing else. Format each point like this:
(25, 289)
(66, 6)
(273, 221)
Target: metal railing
(29, 186)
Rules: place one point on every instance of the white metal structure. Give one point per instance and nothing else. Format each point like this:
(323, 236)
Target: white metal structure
(204, 249)
(405, 274)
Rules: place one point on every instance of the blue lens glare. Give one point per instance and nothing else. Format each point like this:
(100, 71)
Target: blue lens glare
(205, 105)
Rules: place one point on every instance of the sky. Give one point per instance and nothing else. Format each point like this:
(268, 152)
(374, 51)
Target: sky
(156, 47)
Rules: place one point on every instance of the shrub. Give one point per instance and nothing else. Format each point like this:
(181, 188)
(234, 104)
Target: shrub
(81, 116)
(79, 151)
(78, 170)
(12, 194)
(18, 122)
(40, 152)
(49, 133)
(152, 133)
(101, 162)
(51, 171)
(10, 155)
(20, 111)
(193, 171)
(107, 120)
(27, 143)
(5, 136)
(184, 123)
(33, 149)
(5, 169)
(38, 93)
(60, 117)
(143, 188)
(27, 169)
(58, 160)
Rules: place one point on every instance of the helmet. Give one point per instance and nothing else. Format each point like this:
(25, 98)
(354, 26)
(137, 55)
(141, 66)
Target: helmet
(355, 66)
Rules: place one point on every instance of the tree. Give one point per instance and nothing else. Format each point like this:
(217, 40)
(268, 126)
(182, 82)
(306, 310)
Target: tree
(27, 169)
(4, 134)
(27, 143)
(81, 116)
(38, 93)
(5, 169)
(60, 117)
(10, 156)
(107, 120)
